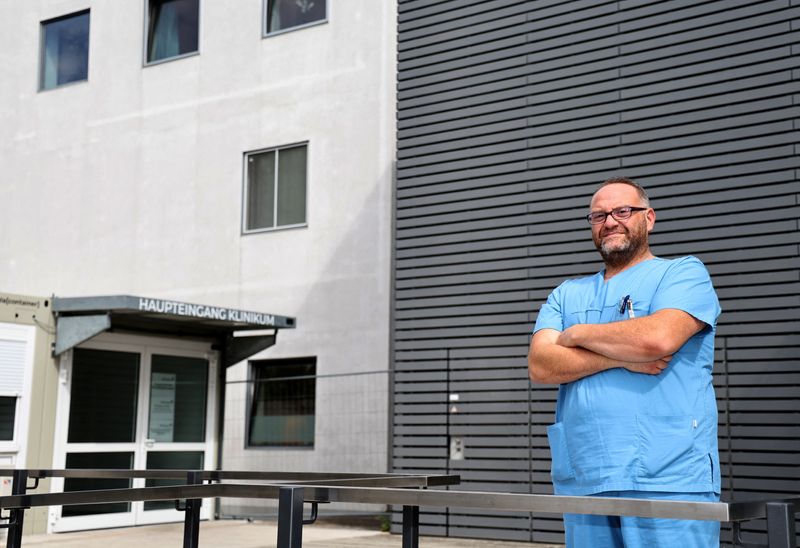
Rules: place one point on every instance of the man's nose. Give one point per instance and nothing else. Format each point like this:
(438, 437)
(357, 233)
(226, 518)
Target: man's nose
(610, 221)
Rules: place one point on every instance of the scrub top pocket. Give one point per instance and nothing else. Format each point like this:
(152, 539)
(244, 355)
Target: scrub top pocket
(607, 314)
(589, 315)
(666, 446)
(561, 467)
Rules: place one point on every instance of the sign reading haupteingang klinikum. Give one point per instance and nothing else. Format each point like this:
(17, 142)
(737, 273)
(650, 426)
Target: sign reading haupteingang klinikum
(204, 311)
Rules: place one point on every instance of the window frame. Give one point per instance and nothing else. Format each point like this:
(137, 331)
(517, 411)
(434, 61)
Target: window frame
(265, 13)
(146, 37)
(43, 33)
(250, 400)
(26, 334)
(245, 189)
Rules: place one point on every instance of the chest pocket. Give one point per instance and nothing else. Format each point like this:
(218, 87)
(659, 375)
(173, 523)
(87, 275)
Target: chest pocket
(606, 314)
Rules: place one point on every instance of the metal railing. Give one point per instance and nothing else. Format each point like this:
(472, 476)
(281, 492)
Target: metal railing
(292, 490)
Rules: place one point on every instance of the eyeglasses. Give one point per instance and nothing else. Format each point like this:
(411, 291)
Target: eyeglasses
(619, 213)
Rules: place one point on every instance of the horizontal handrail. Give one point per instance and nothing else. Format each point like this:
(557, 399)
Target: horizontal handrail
(549, 504)
(292, 489)
(412, 480)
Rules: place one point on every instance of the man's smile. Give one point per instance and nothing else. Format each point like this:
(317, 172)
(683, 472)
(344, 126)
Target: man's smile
(609, 234)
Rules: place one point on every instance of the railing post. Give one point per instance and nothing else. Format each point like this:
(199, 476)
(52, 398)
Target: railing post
(290, 517)
(191, 521)
(17, 516)
(780, 525)
(410, 526)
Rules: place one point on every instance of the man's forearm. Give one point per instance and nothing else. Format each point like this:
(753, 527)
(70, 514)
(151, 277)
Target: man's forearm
(635, 340)
(627, 340)
(552, 363)
(555, 364)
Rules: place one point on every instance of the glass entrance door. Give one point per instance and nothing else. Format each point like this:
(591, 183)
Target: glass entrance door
(101, 432)
(127, 405)
(177, 419)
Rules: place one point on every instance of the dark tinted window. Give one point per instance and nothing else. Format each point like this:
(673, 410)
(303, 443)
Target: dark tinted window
(172, 28)
(110, 461)
(8, 411)
(285, 14)
(103, 398)
(65, 50)
(282, 412)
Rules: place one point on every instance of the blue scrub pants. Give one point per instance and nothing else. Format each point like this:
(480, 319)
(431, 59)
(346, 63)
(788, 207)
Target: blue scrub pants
(586, 531)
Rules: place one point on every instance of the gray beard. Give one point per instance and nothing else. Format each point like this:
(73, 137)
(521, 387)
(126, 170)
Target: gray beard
(617, 258)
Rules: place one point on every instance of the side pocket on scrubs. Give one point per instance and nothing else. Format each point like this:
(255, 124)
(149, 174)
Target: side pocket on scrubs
(561, 469)
(666, 446)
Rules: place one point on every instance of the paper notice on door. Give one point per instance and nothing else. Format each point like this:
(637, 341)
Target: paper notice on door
(162, 406)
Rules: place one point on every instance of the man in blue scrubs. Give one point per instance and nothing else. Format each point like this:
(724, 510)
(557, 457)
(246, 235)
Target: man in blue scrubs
(632, 349)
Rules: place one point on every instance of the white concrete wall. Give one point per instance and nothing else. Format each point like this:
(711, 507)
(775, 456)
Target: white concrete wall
(132, 183)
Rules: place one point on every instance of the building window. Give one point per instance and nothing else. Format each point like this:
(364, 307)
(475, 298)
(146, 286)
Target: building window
(275, 191)
(65, 50)
(172, 28)
(282, 408)
(8, 413)
(16, 364)
(288, 14)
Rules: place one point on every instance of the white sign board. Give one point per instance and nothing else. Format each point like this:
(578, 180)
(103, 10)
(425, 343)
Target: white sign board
(162, 406)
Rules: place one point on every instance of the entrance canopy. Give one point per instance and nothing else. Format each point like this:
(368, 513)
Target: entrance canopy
(81, 318)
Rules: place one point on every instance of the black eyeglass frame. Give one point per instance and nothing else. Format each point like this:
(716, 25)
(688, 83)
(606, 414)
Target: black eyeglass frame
(618, 213)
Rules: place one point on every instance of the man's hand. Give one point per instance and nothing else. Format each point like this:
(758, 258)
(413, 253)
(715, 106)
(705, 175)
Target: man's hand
(649, 368)
(566, 338)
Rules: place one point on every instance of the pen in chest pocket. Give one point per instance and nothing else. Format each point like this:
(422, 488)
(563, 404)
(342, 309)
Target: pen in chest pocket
(627, 303)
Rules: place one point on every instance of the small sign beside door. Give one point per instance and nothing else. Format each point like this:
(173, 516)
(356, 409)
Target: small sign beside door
(162, 406)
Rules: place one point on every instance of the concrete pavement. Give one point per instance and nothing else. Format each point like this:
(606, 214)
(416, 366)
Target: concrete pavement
(244, 534)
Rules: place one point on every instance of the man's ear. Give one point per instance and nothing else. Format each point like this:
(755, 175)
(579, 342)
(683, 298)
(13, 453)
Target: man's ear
(651, 218)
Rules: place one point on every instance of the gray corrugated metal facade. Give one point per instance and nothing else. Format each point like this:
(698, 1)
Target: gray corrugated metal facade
(509, 114)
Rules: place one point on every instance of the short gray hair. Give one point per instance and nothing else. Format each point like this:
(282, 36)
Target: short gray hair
(630, 182)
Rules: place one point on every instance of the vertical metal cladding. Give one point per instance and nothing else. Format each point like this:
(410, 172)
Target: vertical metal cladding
(509, 114)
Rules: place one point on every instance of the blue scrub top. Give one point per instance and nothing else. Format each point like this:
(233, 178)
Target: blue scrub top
(622, 431)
